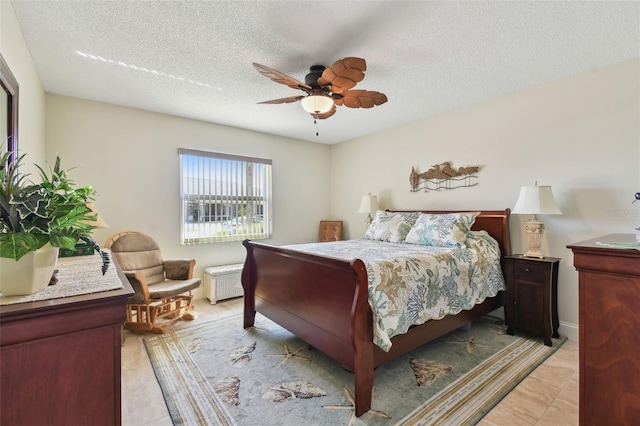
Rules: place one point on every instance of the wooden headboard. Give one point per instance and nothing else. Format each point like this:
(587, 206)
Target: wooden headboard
(495, 222)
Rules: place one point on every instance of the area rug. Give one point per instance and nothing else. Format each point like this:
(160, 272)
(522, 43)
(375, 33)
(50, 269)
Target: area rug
(218, 373)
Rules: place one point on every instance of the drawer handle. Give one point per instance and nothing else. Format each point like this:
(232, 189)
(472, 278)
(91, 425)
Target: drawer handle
(527, 270)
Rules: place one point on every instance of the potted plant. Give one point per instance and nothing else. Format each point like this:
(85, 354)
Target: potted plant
(35, 220)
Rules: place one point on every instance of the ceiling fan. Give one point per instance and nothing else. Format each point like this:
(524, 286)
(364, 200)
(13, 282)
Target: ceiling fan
(327, 87)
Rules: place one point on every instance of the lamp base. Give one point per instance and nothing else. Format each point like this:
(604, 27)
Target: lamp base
(369, 219)
(534, 253)
(534, 229)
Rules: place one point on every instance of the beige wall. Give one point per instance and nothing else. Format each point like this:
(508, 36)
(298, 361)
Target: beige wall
(131, 158)
(581, 135)
(31, 96)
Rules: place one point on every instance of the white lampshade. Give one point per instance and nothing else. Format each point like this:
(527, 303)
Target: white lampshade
(536, 200)
(99, 222)
(317, 104)
(369, 204)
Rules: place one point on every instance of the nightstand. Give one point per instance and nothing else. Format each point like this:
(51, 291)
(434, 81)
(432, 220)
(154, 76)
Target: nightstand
(532, 290)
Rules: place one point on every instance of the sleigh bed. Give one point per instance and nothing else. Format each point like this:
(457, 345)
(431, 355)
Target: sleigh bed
(324, 300)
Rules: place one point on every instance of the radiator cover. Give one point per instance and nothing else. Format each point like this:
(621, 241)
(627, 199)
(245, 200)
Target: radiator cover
(222, 282)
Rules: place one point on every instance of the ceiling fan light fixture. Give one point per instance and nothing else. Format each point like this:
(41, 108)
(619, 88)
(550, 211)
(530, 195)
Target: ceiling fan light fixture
(317, 104)
(327, 88)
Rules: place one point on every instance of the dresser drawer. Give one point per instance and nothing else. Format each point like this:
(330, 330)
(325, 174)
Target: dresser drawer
(529, 271)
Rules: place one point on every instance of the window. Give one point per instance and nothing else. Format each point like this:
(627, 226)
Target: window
(224, 197)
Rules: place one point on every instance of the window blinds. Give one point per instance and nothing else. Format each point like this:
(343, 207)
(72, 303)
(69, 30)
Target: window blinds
(224, 197)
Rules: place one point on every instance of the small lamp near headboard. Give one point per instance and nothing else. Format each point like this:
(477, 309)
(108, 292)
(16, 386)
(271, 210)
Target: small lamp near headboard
(99, 222)
(535, 200)
(369, 205)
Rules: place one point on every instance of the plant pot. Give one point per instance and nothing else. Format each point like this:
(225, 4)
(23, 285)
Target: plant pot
(31, 274)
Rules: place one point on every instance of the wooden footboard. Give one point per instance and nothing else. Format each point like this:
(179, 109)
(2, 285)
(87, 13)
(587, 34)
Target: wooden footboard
(324, 301)
(321, 300)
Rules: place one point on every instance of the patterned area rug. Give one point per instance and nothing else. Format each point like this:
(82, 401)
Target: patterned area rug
(218, 373)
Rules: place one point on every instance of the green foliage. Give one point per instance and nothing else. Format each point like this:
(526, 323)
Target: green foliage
(33, 214)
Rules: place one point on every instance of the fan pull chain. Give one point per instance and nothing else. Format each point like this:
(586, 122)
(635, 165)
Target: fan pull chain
(315, 121)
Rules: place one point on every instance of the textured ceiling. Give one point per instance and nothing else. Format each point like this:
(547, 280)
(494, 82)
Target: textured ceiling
(193, 59)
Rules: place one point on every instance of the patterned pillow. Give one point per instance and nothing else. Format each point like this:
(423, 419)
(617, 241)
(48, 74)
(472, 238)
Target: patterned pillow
(442, 230)
(390, 227)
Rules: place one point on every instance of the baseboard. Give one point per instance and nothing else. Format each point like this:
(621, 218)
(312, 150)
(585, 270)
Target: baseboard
(570, 330)
(198, 293)
(565, 329)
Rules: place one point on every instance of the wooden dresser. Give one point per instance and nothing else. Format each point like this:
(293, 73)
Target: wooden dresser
(60, 360)
(609, 311)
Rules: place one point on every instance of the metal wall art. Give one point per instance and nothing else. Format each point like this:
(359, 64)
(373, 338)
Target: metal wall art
(443, 176)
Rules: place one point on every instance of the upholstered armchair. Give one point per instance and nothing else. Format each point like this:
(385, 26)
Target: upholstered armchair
(162, 287)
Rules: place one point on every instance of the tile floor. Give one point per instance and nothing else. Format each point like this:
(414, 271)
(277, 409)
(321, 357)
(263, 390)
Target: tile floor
(548, 396)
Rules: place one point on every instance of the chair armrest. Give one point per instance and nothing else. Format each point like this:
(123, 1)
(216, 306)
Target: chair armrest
(139, 284)
(179, 269)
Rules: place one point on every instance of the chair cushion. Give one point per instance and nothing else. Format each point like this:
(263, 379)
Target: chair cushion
(168, 288)
(139, 252)
(177, 269)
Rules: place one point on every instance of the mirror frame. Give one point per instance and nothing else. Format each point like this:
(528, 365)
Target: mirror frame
(10, 86)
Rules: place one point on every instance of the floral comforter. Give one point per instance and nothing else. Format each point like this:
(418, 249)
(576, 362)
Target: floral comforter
(411, 284)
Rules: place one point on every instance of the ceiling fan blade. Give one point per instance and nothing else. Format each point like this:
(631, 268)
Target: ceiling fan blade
(343, 74)
(283, 100)
(281, 78)
(361, 99)
(325, 114)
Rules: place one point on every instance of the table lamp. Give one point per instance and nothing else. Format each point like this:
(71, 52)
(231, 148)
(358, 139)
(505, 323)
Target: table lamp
(86, 246)
(369, 204)
(535, 200)
(99, 222)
